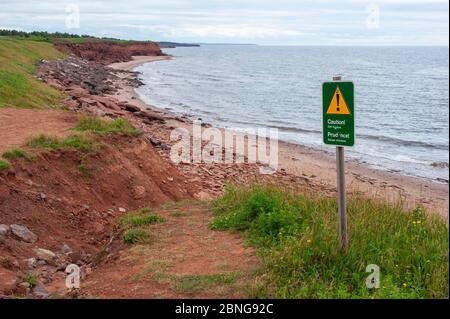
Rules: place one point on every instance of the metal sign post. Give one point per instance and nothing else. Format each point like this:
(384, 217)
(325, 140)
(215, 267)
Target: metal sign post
(339, 130)
(342, 210)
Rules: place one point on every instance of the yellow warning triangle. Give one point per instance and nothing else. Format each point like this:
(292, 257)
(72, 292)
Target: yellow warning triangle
(338, 104)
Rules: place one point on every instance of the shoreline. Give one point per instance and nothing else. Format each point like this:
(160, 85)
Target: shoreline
(319, 166)
(138, 61)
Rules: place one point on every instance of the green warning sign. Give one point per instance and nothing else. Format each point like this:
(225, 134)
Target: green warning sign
(338, 113)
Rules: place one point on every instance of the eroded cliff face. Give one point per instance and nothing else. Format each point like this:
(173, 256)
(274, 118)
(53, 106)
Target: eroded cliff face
(109, 52)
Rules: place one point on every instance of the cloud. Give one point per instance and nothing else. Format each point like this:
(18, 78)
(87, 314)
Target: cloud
(236, 32)
(221, 31)
(257, 21)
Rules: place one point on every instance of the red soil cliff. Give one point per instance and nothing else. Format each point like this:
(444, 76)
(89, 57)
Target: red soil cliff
(109, 52)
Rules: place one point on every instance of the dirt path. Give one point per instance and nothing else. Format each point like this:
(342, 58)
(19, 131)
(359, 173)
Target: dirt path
(184, 259)
(17, 125)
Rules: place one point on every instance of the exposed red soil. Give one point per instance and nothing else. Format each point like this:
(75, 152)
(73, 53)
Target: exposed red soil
(19, 124)
(74, 198)
(182, 254)
(104, 52)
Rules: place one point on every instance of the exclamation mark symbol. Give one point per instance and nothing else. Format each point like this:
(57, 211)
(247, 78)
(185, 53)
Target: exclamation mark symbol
(337, 100)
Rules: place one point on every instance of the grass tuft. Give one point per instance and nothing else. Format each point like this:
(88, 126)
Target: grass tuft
(4, 165)
(134, 222)
(139, 218)
(133, 236)
(17, 153)
(102, 126)
(32, 280)
(83, 143)
(297, 236)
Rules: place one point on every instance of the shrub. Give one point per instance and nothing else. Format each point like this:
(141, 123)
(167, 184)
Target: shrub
(263, 213)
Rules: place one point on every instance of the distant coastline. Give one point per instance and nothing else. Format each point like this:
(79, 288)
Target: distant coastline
(171, 45)
(168, 44)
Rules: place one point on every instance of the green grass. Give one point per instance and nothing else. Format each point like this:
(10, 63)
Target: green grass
(17, 153)
(57, 37)
(139, 218)
(296, 236)
(133, 236)
(84, 139)
(103, 126)
(18, 86)
(82, 143)
(31, 280)
(134, 222)
(4, 165)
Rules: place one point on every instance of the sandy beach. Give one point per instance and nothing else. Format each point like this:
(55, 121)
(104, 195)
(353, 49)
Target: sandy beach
(137, 61)
(318, 167)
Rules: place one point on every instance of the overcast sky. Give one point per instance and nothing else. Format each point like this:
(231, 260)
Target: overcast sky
(275, 22)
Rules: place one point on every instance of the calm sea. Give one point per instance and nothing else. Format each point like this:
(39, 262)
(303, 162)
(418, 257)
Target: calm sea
(401, 96)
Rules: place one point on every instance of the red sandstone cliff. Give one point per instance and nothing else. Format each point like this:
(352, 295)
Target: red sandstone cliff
(105, 52)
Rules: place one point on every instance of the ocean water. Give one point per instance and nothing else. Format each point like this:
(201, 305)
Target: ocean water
(401, 97)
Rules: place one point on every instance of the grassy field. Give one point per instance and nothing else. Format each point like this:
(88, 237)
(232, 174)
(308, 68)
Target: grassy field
(18, 86)
(296, 236)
